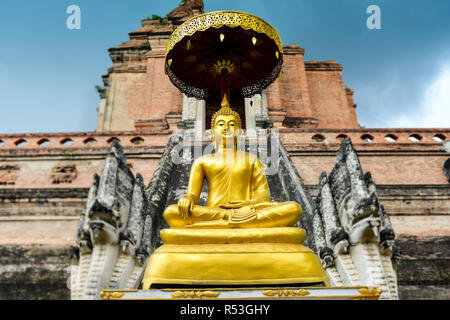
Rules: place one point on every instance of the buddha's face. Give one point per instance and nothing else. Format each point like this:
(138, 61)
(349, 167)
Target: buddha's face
(226, 126)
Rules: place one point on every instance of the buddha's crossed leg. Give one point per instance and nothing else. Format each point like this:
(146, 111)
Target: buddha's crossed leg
(262, 215)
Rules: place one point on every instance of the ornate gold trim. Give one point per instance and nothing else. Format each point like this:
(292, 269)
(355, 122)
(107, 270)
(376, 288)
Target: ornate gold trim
(368, 294)
(194, 294)
(111, 295)
(223, 18)
(286, 293)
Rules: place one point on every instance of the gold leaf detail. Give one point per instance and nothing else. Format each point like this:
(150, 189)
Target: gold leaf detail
(224, 65)
(108, 295)
(178, 294)
(286, 293)
(117, 295)
(105, 295)
(369, 294)
(195, 294)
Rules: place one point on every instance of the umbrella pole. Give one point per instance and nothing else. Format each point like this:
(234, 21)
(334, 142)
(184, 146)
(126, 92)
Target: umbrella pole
(224, 85)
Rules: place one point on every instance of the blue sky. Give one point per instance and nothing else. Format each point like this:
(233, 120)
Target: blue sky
(400, 74)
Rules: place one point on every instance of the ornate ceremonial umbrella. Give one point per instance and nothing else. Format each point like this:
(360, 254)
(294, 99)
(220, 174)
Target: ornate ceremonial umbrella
(223, 50)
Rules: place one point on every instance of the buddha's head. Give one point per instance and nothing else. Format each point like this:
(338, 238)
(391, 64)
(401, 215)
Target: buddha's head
(226, 123)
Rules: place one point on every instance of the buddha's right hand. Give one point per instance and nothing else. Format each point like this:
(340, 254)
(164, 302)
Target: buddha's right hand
(185, 205)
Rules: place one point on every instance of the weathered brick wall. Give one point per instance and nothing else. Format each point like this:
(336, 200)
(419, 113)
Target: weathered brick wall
(402, 162)
(124, 101)
(36, 166)
(31, 272)
(328, 95)
(294, 93)
(135, 96)
(162, 96)
(124, 92)
(37, 228)
(425, 267)
(137, 89)
(386, 169)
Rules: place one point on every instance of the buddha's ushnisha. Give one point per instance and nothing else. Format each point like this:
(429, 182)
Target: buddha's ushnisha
(239, 195)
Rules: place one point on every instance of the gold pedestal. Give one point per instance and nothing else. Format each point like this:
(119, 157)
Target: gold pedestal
(216, 257)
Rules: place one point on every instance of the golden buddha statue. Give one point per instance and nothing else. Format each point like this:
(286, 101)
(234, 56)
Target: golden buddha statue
(240, 236)
(239, 195)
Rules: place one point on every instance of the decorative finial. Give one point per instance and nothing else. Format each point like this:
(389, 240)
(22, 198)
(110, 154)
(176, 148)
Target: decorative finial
(225, 103)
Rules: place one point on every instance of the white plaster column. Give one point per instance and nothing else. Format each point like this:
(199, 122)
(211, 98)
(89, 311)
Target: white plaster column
(264, 112)
(194, 115)
(189, 111)
(200, 119)
(251, 104)
(261, 112)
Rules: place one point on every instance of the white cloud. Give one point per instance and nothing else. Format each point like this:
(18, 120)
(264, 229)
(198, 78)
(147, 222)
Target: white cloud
(434, 109)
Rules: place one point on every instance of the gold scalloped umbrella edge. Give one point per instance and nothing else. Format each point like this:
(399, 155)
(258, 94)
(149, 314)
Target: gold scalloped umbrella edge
(218, 19)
